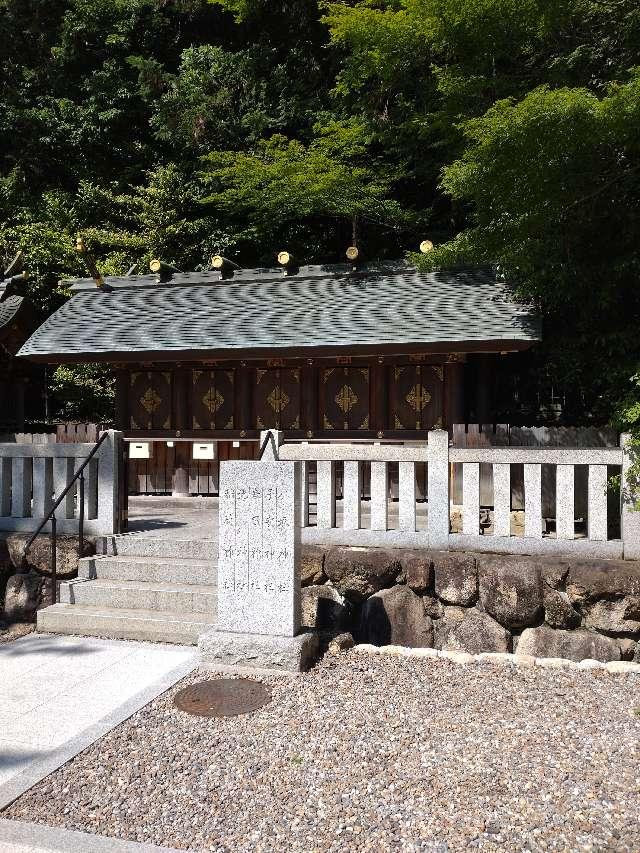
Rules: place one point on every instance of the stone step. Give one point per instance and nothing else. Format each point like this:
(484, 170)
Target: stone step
(117, 624)
(149, 569)
(140, 595)
(136, 545)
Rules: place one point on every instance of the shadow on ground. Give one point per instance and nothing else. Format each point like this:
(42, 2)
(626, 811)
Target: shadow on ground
(45, 645)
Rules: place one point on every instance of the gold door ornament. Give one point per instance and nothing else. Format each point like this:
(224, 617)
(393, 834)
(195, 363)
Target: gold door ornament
(418, 397)
(277, 398)
(346, 399)
(150, 393)
(212, 400)
(150, 401)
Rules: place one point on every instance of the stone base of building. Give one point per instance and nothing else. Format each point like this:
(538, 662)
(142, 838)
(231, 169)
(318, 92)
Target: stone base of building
(231, 652)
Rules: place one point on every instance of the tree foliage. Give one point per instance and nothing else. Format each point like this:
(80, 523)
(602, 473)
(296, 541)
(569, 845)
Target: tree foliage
(505, 130)
(554, 180)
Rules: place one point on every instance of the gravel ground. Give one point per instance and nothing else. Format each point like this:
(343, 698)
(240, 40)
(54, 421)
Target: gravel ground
(372, 753)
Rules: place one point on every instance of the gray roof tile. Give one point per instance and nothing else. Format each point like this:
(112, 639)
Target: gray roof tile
(329, 310)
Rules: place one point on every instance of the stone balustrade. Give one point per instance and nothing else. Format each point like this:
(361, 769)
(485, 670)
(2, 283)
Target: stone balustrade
(429, 519)
(32, 476)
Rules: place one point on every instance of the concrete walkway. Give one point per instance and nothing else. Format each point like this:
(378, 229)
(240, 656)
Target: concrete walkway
(60, 694)
(17, 836)
(165, 517)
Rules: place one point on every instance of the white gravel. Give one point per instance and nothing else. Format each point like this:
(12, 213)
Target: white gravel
(372, 753)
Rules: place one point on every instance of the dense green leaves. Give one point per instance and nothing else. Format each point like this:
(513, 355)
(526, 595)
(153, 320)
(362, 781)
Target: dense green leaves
(555, 184)
(506, 130)
(284, 183)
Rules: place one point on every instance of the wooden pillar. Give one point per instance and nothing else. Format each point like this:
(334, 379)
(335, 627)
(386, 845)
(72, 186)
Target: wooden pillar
(454, 411)
(19, 386)
(379, 396)
(122, 400)
(182, 461)
(181, 416)
(181, 421)
(309, 398)
(484, 388)
(243, 398)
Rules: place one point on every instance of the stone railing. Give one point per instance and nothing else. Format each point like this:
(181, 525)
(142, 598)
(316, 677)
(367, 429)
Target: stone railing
(426, 517)
(33, 475)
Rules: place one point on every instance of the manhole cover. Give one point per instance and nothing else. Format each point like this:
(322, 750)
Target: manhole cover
(223, 697)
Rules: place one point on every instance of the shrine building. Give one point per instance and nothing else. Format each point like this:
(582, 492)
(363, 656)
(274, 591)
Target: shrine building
(21, 383)
(205, 360)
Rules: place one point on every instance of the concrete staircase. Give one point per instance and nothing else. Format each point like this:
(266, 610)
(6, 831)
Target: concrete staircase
(139, 588)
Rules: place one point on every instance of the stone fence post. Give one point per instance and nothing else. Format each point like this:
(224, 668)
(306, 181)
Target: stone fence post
(438, 489)
(259, 598)
(629, 516)
(110, 458)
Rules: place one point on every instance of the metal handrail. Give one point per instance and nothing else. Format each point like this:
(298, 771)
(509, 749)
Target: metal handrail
(54, 522)
(268, 438)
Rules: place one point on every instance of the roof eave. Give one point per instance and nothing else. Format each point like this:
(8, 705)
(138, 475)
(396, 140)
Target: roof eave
(499, 345)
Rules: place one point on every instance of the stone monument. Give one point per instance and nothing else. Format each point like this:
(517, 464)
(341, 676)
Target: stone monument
(258, 619)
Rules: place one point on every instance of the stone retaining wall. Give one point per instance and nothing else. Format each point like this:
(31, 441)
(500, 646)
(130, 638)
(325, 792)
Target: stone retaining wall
(539, 606)
(25, 585)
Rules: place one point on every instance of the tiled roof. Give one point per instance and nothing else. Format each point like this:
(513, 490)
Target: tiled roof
(320, 307)
(9, 308)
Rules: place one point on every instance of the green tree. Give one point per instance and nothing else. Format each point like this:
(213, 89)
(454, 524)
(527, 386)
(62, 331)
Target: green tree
(290, 192)
(553, 187)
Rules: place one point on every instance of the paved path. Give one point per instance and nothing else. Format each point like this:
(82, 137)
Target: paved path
(173, 518)
(197, 517)
(60, 694)
(17, 836)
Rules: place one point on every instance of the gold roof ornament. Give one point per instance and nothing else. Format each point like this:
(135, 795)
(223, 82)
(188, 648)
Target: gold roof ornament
(163, 271)
(16, 267)
(224, 265)
(285, 259)
(426, 246)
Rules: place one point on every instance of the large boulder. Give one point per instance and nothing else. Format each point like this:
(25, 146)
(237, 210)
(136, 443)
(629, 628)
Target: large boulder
(628, 648)
(558, 610)
(39, 555)
(621, 616)
(469, 630)
(589, 580)
(23, 595)
(5, 573)
(395, 617)
(510, 590)
(432, 606)
(359, 572)
(324, 609)
(418, 570)
(312, 565)
(545, 642)
(554, 570)
(456, 578)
